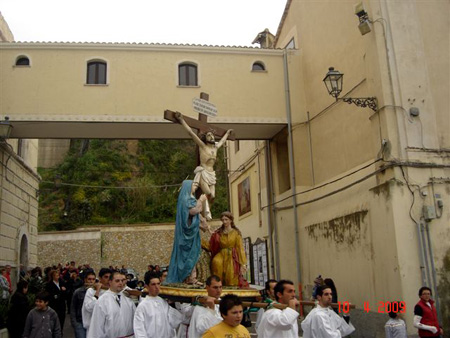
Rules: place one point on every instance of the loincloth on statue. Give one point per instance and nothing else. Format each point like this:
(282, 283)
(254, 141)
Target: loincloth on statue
(209, 177)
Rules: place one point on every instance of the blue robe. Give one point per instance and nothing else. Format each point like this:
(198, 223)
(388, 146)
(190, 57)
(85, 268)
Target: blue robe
(187, 243)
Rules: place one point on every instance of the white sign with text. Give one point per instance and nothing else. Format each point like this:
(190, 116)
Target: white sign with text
(204, 107)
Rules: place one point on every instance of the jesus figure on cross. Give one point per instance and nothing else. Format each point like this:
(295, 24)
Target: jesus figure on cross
(205, 176)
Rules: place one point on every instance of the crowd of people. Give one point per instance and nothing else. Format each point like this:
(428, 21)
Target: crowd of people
(111, 305)
(61, 288)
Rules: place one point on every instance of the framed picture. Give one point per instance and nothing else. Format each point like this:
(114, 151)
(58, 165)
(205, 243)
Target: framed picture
(245, 204)
(249, 254)
(260, 262)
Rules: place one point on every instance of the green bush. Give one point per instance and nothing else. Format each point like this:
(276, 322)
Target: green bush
(103, 183)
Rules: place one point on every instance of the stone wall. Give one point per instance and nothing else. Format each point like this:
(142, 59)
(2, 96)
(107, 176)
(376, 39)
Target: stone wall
(134, 246)
(19, 187)
(60, 247)
(137, 247)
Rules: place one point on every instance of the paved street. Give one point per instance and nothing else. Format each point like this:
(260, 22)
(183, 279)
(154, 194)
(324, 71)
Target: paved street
(68, 331)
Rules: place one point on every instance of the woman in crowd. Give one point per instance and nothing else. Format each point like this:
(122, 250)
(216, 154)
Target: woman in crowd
(57, 290)
(227, 252)
(18, 310)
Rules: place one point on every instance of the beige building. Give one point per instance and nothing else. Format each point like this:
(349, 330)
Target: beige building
(350, 193)
(19, 183)
(355, 194)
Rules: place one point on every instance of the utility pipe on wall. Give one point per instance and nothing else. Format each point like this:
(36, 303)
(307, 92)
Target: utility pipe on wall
(421, 254)
(424, 248)
(433, 273)
(291, 163)
(274, 253)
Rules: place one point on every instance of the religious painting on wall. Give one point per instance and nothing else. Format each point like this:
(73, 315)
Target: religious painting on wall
(245, 205)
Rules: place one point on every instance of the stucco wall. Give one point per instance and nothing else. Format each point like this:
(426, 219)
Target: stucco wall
(383, 263)
(52, 152)
(146, 102)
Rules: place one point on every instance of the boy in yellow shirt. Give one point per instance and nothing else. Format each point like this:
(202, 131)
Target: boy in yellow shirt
(232, 312)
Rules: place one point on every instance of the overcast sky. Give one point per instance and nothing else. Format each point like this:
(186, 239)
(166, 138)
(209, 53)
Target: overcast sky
(211, 22)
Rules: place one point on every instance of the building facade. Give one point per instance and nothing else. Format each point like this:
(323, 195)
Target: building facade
(350, 193)
(355, 194)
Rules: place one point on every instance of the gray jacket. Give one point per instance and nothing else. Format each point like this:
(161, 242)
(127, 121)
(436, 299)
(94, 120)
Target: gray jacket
(42, 324)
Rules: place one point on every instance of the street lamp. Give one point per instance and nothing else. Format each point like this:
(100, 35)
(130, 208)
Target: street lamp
(333, 81)
(5, 128)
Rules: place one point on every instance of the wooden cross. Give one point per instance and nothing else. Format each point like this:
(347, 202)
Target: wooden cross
(201, 124)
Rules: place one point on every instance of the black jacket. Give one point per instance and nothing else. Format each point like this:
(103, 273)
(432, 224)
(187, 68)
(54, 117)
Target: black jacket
(77, 305)
(17, 314)
(57, 297)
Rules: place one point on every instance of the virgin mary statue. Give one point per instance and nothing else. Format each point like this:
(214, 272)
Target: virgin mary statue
(187, 243)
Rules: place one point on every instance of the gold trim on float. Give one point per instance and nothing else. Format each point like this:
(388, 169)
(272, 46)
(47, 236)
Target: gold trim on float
(191, 292)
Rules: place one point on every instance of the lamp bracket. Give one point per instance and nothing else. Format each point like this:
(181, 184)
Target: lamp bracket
(370, 102)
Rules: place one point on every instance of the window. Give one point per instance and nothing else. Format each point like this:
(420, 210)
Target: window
(22, 61)
(237, 146)
(187, 74)
(291, 44)
(282, 161)
(96, 72)
(258, 66)
(20, 147)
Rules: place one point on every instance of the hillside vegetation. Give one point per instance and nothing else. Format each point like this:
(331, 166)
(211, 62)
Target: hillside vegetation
(121, 182)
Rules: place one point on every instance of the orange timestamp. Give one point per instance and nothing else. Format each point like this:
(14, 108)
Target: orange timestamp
(382, 307)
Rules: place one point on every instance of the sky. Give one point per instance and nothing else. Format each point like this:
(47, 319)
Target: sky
(208, 22)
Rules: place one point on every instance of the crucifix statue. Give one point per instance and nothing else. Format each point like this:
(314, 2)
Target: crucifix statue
(205, 176)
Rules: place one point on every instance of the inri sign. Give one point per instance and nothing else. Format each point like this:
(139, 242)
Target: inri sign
(204, 107)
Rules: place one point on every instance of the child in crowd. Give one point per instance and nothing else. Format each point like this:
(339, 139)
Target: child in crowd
(42, 321)
(317, 283)
(395, 327)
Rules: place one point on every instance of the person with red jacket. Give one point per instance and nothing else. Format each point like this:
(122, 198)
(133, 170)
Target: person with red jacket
(425, 315)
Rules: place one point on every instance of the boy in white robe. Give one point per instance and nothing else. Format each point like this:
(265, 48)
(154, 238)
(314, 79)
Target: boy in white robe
(322, 321)
(186, 309)
(154, 317)
(281, 323)
(113, 313)
(92, 295)
(205, 317)
(269, 298)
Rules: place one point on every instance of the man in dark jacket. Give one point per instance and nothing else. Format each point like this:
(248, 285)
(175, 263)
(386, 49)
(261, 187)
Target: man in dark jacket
(76, 318)
(72, 284)
(18, 310)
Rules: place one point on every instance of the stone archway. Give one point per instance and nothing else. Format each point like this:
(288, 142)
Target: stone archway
(23, 252)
